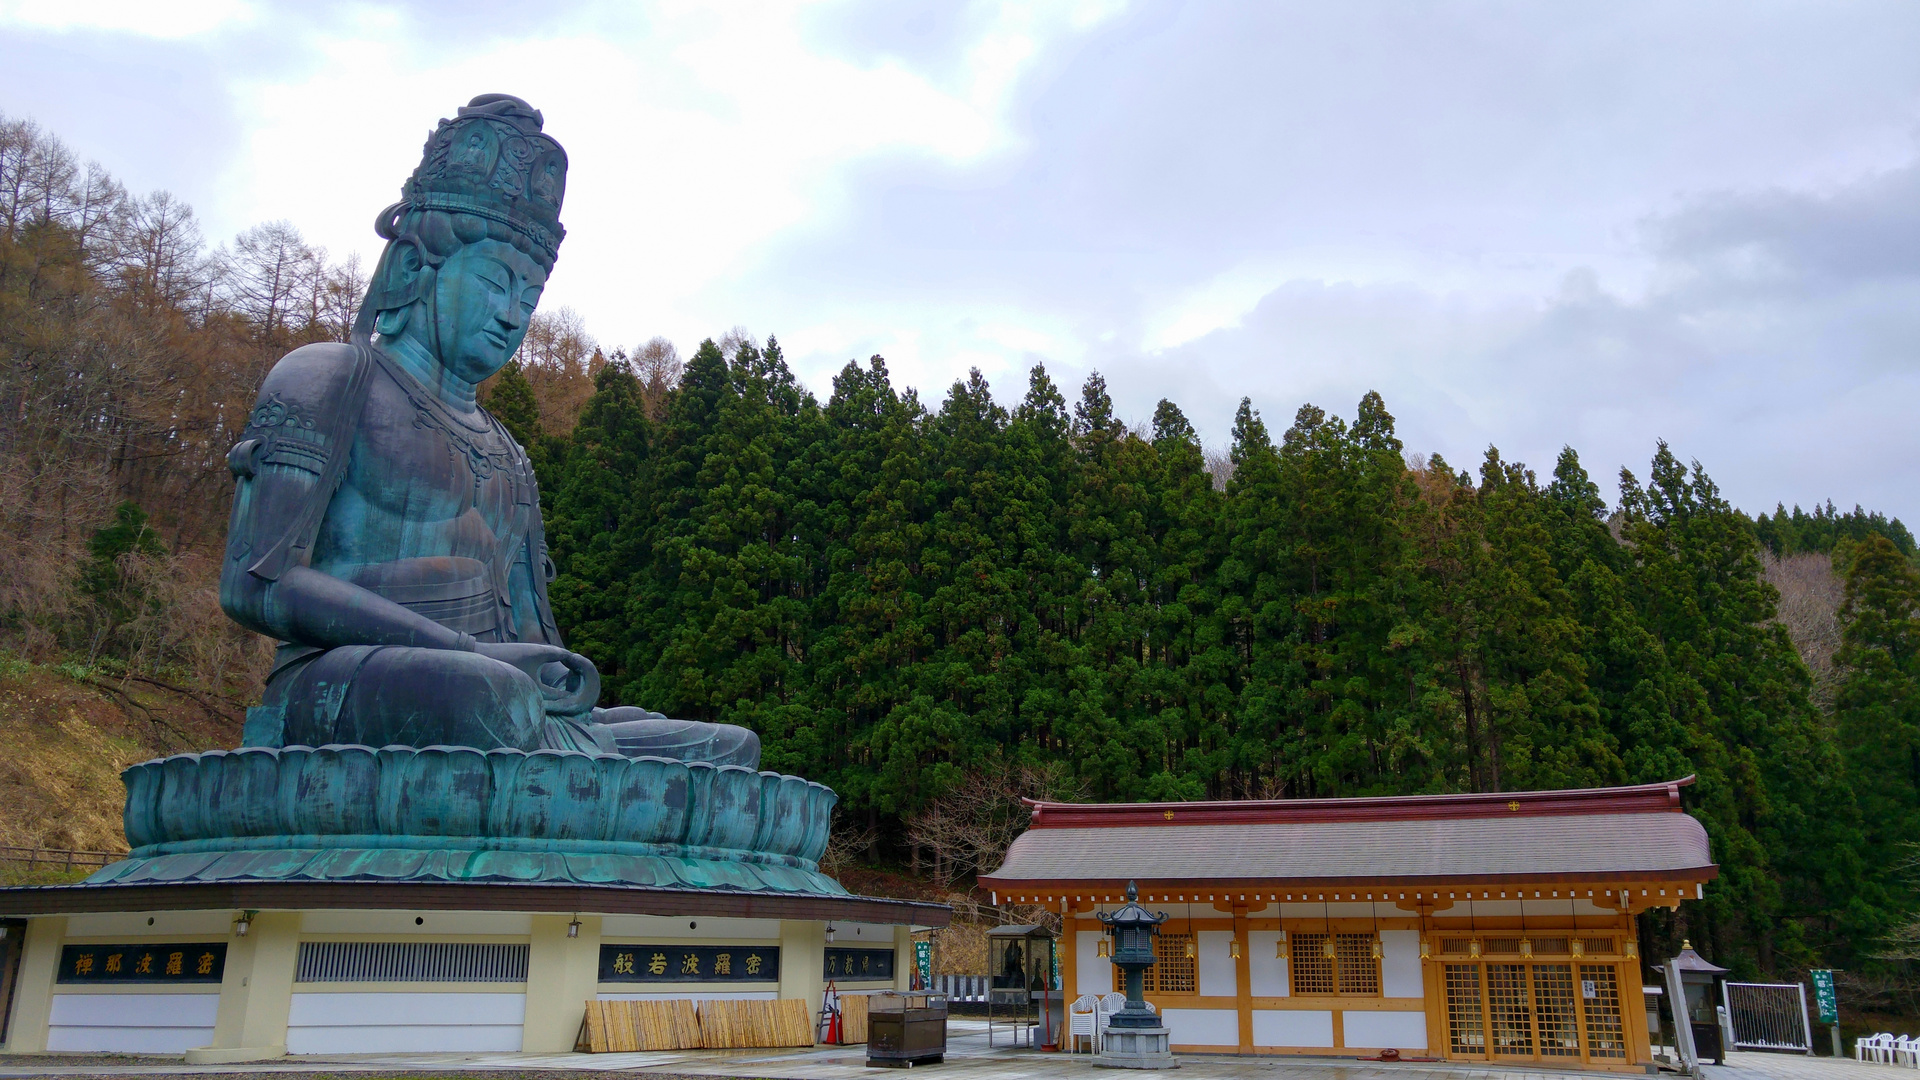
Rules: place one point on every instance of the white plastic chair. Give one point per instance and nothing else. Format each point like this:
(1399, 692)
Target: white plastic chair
(1103, 1009)
(1877, 1048)
(1906, 1051)
(1880, 1047)
(1083, 1018)
(1891, 1049)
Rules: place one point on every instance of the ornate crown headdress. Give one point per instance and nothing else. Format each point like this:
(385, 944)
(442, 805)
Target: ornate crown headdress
(492, 161)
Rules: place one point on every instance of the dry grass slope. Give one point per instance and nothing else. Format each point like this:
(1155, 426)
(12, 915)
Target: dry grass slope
(69, 731)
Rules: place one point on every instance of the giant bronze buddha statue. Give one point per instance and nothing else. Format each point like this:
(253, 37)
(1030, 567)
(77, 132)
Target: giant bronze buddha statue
(386, 529)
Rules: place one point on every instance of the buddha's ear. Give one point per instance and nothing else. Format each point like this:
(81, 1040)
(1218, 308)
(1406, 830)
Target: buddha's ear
(399, 282)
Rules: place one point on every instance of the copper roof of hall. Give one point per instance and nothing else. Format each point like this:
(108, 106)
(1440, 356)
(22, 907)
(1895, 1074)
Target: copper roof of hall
(1591, 834)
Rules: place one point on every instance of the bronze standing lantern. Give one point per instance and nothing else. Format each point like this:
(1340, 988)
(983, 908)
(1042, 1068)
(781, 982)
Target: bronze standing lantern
(1133, 929)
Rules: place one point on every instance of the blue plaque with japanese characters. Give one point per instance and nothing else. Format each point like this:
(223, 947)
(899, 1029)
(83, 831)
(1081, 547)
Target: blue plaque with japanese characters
(689, 963)
(190, 962)
(860, 964)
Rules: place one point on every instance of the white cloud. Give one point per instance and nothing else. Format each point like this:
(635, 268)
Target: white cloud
(1777, 344)
(697, 135)
(165, 19)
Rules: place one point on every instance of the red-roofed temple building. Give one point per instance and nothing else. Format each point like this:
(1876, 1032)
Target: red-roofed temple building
(1486, 927)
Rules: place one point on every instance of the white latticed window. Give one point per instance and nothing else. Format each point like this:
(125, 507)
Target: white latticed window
(409, 961)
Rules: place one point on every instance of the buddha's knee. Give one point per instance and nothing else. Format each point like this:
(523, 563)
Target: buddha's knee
(415, 697)
(463, 699)
(640, 733)
(742, 747)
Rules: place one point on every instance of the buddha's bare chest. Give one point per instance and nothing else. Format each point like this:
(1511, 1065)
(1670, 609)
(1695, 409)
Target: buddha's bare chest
(421, 482)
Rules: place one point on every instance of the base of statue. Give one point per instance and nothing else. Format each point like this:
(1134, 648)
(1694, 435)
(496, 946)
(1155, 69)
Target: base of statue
(1135, 1048)
(457, 814)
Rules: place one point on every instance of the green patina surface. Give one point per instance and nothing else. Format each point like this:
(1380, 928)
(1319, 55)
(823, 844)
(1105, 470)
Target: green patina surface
(424, 719)
(461, 814)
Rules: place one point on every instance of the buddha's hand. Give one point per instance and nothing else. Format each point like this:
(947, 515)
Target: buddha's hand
(569, 682)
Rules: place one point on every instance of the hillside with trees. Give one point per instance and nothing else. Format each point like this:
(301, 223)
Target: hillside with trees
(937, 607)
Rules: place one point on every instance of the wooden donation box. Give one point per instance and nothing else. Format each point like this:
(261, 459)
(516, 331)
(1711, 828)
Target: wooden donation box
(906, 1028)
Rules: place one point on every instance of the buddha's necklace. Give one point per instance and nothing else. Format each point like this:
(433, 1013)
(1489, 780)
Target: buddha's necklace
(464, 439)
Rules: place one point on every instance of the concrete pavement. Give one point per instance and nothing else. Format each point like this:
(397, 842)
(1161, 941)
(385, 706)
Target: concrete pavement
(969, 1058)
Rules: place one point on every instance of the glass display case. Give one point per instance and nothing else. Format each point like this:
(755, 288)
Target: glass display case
(1023, 991)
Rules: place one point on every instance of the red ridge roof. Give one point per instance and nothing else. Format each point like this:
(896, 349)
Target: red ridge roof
(1638, 799)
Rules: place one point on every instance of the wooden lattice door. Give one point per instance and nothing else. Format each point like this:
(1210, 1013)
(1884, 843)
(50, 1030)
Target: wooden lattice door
(1534, 1012)
(1606, 1035)
(1556, 1023)
(1509, 1011)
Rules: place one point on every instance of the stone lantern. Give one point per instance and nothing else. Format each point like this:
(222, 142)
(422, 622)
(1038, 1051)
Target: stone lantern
(1135, 1037)
(1694, 985)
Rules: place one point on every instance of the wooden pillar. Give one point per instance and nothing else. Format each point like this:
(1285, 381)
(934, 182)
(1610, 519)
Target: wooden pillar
(1069, 953)
(1433, 977)
(1633, 1005)
(1243, 978)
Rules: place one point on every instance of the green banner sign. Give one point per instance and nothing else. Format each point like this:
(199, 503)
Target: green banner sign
(923, 962)
(1824, 997)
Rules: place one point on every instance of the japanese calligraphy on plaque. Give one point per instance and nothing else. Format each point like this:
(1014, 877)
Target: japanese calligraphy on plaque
(689, 963)
(860, 964)
(193, 962)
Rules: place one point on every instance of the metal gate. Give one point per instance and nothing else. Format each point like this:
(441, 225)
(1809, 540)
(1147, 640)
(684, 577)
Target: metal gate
(1768, 1016)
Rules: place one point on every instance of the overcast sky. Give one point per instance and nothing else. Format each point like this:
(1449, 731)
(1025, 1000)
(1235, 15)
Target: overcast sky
(1596, 224)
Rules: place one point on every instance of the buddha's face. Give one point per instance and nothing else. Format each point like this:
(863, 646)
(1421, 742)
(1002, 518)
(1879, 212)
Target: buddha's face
(486, 292)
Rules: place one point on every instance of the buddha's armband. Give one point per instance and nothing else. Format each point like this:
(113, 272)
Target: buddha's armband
(279, 434)
(249, 456)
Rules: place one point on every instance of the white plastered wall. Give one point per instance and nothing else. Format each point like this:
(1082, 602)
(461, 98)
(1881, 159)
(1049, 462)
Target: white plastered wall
(438, 924)
(1304, 1029)
(1202, 1027)
(1380, 1030)
(1093, 974)
(1400, 974)
(170, 1023)
(1217, 977)
(1269, 972)
(689, 994)
(674, 928)
(405, 1023)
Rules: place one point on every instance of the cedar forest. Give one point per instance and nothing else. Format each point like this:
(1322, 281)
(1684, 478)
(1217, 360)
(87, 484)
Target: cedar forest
(911, 600)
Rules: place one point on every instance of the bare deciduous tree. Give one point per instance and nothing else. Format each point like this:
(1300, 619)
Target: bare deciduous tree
(345, 285)
(160, 255)
(845, 842)
(1810, 595)
(560, 358)
(657, 365)
(130, 362)
(731, 341)
(968, 827)
(271, 273)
